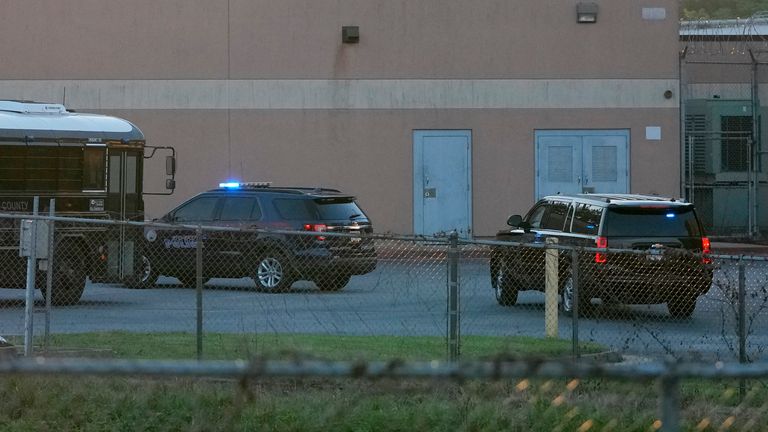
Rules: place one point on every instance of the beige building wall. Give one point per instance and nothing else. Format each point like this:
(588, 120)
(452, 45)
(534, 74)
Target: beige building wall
(265, 90)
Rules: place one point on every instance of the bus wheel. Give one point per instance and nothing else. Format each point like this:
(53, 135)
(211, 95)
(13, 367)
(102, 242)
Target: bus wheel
(68, 280)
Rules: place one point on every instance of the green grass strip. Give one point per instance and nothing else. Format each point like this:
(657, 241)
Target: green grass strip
(225, 346)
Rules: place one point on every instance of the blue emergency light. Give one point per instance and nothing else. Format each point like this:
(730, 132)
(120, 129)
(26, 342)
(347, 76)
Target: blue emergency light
(245, 185)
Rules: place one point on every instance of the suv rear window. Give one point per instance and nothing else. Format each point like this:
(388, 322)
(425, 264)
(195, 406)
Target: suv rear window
(651, 222)
(338, 208)
(295, 209)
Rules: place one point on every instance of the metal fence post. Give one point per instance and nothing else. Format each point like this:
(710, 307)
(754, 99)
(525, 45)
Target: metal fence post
(49, 273)
(453, 297)
(551, 291)
(199, 289)
(575, 305)
(742, 321)
(670, 402)
(29, 303)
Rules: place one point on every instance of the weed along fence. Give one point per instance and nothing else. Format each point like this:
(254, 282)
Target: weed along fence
(237, 301)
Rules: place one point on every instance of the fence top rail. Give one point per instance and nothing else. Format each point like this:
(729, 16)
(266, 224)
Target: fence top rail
(417, 239)
(154, 224)
(500, 369)
(513, 244)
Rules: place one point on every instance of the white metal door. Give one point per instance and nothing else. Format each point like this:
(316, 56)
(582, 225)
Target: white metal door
(442, 182)
(605, 163)
(558, 165)
(582, 161)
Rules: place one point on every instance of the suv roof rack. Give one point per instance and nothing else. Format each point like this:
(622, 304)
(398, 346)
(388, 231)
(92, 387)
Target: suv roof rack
(622, 198)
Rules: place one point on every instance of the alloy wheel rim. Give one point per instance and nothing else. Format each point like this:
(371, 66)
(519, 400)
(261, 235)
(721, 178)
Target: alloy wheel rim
(146, 269)
(270, 272)
(568, 295)
(499, 282)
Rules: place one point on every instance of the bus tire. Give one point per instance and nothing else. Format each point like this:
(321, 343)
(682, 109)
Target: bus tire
(69, 277)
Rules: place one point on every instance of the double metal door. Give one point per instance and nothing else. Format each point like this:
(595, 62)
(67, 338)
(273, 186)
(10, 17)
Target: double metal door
(582, 161)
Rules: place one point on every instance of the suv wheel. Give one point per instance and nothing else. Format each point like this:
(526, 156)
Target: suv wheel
(506, 287)
(272, 273)
(682, 306)
(333, 282)
(146, 276)
(567, 301)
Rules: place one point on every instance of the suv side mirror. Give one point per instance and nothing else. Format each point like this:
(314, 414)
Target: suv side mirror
(515, 220)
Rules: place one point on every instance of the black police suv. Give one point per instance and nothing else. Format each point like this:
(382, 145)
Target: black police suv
(255, 247)
(669, 262)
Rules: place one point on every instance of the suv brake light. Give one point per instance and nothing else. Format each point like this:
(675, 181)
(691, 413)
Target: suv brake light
(706, 249)
(601, 242)
(316, 228)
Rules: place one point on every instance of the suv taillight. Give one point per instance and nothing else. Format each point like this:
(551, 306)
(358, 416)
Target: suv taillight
(600, 257)
(706, 249)
(316, 228)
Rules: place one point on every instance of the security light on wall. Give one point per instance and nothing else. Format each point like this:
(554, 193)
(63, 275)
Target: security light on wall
(350, 34)
(586, 13)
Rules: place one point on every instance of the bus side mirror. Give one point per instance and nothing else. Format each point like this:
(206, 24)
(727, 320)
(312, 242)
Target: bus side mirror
(170, 166)
(170, 184)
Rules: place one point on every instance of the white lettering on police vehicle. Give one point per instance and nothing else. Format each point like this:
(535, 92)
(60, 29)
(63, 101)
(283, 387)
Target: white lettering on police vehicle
(181, 242)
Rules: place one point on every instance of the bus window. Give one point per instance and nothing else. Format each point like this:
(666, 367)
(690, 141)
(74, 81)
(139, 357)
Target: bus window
(94, 167)
(12, 167)
(70, 169)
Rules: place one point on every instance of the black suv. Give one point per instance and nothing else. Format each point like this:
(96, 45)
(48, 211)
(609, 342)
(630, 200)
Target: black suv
(669, 262)
(273, 259)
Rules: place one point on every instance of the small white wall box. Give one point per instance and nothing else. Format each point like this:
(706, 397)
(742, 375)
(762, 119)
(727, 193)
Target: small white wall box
(28, 226)
(653, 133)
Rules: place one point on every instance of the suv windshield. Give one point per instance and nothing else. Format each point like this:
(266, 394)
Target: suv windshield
(651, 222)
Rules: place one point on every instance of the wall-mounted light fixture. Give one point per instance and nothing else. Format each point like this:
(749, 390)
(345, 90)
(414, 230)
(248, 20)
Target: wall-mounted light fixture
(586, 13)
(350, 34)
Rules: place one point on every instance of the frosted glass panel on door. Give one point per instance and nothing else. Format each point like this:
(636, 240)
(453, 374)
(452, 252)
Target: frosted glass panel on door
(604, 164)
(560, 163)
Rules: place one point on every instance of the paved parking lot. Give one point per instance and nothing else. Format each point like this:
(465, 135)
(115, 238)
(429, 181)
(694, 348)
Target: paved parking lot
(397, 299)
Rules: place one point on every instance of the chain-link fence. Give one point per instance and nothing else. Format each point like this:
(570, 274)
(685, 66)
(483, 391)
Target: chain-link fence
(653, 301)
(722, 72)
(620, 310)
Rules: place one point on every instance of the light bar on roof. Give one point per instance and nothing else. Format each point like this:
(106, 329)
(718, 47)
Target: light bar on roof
(238, 185)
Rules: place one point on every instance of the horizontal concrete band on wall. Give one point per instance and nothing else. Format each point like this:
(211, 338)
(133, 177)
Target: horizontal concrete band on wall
(741, 91)
(346, 94)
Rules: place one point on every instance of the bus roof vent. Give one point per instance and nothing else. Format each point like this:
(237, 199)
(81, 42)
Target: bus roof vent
(28, 107)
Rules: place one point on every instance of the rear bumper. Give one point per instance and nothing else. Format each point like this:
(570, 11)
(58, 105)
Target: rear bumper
(658, 285)
(318, 264)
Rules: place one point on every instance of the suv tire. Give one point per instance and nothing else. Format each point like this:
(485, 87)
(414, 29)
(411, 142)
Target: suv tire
(334, 282)
(566, 303)
(682, 306)
(273, 273)
(146, 276)
(506, 287)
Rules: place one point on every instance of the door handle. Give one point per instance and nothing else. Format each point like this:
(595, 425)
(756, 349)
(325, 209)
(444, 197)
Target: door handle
(578, 179)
